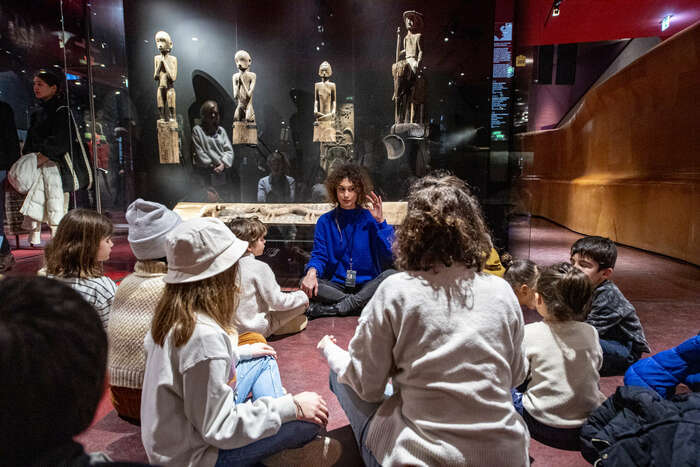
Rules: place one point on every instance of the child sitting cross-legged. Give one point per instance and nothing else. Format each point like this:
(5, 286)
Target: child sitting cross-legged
(190, 415)
(263, 307)
(621, 333)
(83, 241)
(563, 357)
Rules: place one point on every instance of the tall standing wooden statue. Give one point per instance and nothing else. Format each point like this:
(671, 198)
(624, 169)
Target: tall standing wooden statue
(409, 84)
(244, 129)
(324, 105)
(165, 74)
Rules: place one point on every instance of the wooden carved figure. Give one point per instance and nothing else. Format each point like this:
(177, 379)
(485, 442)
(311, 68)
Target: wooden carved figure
(165, 74)
(407, 68)
(243, 87)
(324, 105)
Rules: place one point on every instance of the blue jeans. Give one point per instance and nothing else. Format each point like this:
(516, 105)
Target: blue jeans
(617, 357)
(359, 414)
(261, 376)
(4, 244)
(559, 438)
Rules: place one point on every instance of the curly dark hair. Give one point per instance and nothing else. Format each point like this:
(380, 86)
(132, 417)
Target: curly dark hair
(357, 175)
(443, 225)
(566, 291)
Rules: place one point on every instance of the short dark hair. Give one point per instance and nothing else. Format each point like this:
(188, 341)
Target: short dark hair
(50, 77)
(521, 271)
(566, 291)
(356, 174)
(248, 229)
(53, 357)
(602, 250)
(443, 225)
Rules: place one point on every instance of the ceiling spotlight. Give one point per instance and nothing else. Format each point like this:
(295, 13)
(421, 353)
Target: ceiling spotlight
(195, 39)
(555, 7)
(666, 22)
(447, 38)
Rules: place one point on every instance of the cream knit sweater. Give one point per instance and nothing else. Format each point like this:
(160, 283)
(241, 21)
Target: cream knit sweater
(262, 296)
(134, 305)
(451, 340)
(564, 359)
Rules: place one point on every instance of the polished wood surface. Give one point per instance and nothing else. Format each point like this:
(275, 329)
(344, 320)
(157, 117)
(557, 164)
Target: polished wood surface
(627, 164)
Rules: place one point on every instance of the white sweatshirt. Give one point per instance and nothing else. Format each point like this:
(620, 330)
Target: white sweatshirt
(262, 295)
(187, 408)
(564, 359)
(451, 340)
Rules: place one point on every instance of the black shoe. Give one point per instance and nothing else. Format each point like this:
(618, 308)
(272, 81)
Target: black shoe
(317, 310)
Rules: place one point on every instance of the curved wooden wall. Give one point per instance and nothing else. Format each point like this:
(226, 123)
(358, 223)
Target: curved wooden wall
(626, 165)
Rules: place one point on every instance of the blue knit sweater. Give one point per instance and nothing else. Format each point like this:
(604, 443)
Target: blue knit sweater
(370, 243)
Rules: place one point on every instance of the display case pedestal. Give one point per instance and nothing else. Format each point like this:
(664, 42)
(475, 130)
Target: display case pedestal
(245, 133)
(168, 142)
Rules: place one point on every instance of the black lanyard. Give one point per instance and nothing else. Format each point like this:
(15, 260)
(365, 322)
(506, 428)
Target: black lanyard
(352, 237)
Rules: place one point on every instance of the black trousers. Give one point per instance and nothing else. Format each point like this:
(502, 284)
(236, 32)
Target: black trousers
(350, 301)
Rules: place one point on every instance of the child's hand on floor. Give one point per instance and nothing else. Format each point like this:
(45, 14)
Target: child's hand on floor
(260, 349)
(311, 408)
(324, 342)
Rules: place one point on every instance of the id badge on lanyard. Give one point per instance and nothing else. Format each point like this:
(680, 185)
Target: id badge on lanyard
(350, 274)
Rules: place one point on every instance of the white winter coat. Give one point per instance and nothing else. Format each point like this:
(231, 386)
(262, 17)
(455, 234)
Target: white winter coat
(44, 201)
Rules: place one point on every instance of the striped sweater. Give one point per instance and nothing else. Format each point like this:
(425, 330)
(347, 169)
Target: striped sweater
(97, 291)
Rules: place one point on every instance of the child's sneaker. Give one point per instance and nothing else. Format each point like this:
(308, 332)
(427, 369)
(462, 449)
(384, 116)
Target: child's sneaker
(321, 452)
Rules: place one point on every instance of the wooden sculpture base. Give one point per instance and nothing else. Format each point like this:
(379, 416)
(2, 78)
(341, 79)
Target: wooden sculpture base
(289, 214)
(244, 133)
(409, 130)
(324, 131)
(168, 142)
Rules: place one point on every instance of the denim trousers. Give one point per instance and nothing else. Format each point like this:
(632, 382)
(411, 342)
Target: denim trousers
(261, 377)
(559, 438)
(359, 414)
(617, 357)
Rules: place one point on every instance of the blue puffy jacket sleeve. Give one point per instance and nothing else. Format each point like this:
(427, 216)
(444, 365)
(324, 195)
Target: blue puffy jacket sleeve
(663, 371)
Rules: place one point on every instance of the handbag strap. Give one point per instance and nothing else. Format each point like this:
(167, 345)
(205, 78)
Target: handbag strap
(86, 159)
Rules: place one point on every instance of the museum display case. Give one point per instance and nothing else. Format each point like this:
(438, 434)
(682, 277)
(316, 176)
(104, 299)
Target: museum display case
(255, 102)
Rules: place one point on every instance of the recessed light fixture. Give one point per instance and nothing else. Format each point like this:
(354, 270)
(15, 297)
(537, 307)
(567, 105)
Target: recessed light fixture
(666, 22)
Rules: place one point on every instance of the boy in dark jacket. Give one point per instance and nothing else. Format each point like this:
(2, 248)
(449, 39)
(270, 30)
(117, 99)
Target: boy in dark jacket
(621, 333)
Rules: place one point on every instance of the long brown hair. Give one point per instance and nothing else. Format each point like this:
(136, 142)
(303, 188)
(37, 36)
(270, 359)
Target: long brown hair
(73, 250)
(443, 225)
(177, 309)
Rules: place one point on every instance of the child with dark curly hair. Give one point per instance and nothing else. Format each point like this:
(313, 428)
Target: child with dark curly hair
(448, 335)
(352, 247)
(563, 356)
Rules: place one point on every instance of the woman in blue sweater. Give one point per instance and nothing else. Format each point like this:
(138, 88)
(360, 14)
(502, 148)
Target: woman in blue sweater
(352, 247)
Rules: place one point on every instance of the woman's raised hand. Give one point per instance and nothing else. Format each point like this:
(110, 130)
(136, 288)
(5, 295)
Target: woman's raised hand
(376, 207)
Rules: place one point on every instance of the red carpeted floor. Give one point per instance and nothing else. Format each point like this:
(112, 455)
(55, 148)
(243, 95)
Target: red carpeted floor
(664, 291)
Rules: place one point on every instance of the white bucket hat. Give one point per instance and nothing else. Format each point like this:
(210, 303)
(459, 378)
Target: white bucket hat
(201, 248)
